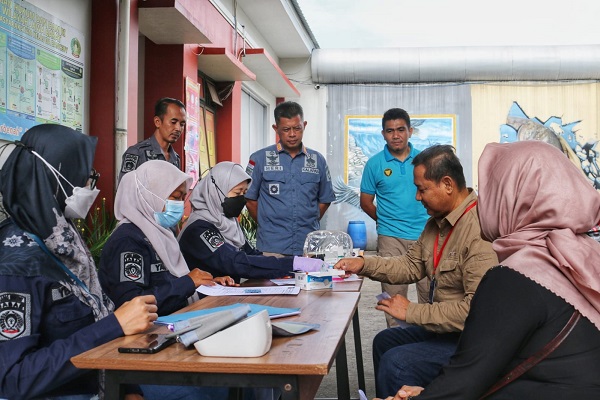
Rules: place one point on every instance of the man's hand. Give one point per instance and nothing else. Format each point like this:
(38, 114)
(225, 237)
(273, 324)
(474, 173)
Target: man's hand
(134, 397)
(350, 265)
(137, 315)
(225, 281)
(395, 306)
(201, 277)
(406, 393)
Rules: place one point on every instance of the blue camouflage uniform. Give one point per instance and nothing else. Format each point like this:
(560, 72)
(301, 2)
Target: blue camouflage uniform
(203, 246)
(146, 150)
(289, 191)
(130, 267)
(42, 324)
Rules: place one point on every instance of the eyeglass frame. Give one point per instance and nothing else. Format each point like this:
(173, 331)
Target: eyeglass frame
(93, 178)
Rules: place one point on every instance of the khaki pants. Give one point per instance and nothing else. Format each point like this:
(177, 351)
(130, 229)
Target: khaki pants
(388, 246)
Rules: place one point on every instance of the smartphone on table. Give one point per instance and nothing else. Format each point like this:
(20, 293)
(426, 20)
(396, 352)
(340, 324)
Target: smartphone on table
(149, 343)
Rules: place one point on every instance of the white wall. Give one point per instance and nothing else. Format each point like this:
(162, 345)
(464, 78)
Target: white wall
(312, 100)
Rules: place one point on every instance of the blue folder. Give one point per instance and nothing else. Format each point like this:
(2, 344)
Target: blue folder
(274, 312)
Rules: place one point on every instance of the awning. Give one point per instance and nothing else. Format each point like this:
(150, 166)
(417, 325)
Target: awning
(222, 66)
(169, 22)
(268, 73)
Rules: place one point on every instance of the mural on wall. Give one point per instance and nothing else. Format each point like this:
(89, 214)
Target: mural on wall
(363, 140)
(583, 153)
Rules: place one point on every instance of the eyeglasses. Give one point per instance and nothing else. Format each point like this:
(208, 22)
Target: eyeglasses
(93, 179)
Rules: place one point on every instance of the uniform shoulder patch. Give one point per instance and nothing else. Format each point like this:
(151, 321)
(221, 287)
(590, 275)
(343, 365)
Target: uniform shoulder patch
(130, 162)
(15, 315)
(213, 239)
(250, 167)
(132, 267)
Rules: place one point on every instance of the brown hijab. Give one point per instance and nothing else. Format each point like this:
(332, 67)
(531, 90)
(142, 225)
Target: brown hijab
(536, 207)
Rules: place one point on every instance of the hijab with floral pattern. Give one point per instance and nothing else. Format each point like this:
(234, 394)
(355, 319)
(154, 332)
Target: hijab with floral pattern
(32, 197)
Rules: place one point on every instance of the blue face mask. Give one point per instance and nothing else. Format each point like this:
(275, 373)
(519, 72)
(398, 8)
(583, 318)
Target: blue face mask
(172, 214)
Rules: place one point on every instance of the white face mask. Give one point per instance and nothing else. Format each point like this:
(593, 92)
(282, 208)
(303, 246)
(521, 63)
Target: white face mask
(78, 204)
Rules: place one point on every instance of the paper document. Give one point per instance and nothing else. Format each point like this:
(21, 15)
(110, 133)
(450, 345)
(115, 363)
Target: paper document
(284, 281)
(218, 290)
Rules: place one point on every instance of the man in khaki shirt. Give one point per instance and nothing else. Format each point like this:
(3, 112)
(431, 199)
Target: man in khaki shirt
(451, 252)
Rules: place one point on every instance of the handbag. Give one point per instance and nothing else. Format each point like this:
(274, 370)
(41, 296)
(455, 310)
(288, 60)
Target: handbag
(535, 358)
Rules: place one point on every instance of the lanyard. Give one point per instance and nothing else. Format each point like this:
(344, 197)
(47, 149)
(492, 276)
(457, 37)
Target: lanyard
(438, 255)
(66, 270)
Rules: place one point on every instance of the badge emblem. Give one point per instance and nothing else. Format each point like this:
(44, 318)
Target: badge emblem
(129, 162)
(272, 158)
(250, 167)
(273, 189)
(132, 267)
(387, 172)
(150, 155)
(212, 239)
(310, 161)
(15, 315)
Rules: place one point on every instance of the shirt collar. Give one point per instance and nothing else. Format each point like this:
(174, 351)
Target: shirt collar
(280, 148)
(455, 214)
(389, 157)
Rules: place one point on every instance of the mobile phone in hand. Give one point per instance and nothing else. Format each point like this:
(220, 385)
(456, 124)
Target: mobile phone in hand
(149, 343)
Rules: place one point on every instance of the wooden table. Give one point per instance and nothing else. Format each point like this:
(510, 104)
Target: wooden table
(339, 286)
(296, 365)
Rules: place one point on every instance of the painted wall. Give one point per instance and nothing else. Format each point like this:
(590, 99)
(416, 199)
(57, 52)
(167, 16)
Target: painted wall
(570, 101)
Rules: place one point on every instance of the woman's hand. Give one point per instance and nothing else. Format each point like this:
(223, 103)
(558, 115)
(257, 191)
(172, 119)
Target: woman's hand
(137, 315)
(201, 277)
(225, 281)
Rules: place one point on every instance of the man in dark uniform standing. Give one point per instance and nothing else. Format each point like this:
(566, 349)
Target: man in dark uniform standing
(169, 122)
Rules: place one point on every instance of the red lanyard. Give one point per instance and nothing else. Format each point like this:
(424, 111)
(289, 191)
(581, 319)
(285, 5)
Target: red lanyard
(438, 255)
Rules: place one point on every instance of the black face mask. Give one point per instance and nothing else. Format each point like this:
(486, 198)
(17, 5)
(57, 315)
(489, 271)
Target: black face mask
(233, 206)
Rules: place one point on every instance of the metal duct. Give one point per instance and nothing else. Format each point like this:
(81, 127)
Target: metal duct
(456, 64)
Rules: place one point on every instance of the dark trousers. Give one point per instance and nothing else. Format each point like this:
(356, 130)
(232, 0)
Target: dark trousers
(409, 356)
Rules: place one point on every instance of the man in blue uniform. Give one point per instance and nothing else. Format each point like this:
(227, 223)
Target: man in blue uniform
(291, 186)
(388, 176)
(169, 123)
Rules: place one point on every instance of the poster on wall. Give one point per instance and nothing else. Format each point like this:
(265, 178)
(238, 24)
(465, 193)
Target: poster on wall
(191, 146)
(41, 70)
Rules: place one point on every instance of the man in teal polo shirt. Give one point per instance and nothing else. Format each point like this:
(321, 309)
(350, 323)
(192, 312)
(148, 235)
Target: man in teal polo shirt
(388, 177)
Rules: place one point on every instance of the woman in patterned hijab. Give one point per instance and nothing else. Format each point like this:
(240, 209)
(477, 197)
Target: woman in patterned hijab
(51, 304)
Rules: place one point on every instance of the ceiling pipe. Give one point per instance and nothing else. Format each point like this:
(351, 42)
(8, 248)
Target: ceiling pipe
(455, 64)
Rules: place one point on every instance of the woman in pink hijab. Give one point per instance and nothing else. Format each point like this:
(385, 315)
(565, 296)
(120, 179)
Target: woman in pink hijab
(536, 207)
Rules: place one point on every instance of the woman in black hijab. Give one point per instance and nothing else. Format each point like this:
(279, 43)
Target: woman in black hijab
(51, 304)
